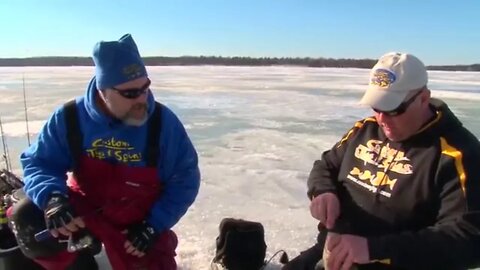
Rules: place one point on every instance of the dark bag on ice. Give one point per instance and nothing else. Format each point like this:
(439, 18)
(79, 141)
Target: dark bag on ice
(240, 245)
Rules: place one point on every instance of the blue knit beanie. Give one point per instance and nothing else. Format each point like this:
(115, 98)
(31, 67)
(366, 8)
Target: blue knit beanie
(117, 62)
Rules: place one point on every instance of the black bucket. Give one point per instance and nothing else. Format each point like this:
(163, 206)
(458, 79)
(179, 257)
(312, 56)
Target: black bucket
(11, 257)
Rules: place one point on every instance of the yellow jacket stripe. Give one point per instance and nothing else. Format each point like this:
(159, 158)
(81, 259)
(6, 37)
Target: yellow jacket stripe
(449, 150)
(357, 125)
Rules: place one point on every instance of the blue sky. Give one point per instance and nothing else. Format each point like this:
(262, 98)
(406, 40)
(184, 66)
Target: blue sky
(437, 31)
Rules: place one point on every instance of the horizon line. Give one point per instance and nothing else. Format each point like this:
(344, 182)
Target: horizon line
(214, 56)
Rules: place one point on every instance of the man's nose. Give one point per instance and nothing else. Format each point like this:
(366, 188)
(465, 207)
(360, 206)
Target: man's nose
(382, 117)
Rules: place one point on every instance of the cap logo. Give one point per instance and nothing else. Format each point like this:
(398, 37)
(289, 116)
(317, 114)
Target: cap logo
(382, 77)
(132, 71)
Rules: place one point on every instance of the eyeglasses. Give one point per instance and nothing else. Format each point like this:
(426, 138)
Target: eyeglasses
(133, 93)
(401, 108)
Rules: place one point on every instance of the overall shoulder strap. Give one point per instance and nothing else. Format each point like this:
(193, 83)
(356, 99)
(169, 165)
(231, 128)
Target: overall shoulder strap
(74, 134)
(153, 136)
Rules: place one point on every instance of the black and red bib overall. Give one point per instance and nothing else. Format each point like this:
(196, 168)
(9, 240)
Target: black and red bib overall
(112, 196)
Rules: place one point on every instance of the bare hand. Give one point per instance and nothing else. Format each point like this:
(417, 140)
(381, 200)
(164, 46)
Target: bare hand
(344, 250)
(326, 208)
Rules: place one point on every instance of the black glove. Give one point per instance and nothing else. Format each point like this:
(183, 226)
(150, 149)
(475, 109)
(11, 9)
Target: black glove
(142, 236)
(58, 212)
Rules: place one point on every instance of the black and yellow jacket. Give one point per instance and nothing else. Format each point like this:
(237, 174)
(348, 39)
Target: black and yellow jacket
(417, 201)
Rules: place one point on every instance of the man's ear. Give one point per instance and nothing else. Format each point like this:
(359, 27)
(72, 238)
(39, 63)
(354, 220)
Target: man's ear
(425, 96)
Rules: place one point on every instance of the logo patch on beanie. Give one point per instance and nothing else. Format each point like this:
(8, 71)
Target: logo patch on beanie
(382, 77)
(132, 71)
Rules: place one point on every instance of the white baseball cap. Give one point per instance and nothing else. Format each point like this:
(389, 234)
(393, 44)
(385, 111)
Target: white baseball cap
(392, 78)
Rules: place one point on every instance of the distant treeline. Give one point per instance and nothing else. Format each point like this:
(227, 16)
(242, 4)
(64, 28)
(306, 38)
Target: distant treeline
(222, 61)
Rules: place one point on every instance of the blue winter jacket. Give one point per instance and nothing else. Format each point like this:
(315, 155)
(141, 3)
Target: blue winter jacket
(46, 162)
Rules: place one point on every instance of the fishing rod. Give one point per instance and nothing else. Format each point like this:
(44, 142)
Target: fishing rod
(6, 155)
(25, 108)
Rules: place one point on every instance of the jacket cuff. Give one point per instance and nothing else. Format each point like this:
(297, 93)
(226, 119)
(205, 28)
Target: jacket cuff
(315, 193)
(377, 250)
(159, 228)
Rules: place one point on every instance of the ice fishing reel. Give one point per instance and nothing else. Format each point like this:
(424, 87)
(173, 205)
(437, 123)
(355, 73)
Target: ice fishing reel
(79, 240)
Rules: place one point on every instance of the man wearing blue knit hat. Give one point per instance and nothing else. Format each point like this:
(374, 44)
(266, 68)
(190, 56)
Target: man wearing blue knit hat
(134, 173)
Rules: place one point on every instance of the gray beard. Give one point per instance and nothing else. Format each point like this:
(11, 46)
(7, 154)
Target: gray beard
(129, 121)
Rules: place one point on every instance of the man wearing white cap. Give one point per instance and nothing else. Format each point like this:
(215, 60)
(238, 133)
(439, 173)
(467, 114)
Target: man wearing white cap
(396, 81)
(401, 189)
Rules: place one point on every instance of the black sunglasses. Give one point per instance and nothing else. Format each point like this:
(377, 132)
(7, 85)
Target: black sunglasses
(133, 93)
(401, 108)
